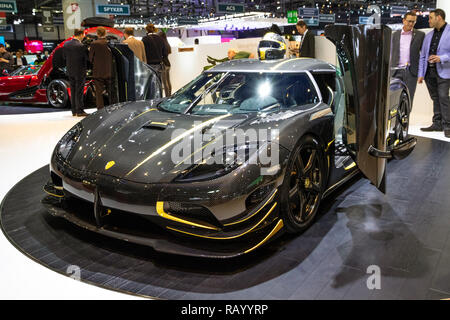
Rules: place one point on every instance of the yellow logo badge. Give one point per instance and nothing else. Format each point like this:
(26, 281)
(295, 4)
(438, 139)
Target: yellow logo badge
(109, 165)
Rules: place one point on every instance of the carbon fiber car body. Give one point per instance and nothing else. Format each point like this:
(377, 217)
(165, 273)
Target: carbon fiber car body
(113, 172)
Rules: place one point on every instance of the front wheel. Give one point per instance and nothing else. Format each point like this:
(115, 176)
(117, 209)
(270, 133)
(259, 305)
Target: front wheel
(58, 94)
(303, 185)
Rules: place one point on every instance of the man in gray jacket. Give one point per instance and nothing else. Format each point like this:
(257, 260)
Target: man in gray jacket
(406, 46)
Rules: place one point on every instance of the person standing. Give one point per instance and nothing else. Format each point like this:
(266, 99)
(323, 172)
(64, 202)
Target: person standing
(155, 49)
(6, 59)
(406, 46)
(308, 45)
(434, 68)
(101, 58)
(166, 65)
(20, 60)
(135, 45)
(76, 58)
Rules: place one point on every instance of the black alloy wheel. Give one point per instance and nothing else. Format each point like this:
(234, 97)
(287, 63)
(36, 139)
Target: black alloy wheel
(402, 119)
(303, 185)
(57, 93)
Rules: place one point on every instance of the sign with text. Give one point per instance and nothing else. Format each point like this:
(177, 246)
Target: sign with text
(187, 21)
(327, 18)
(312, 22)
(366, 20)
(292, 16)
(399, 11)
(115, 9)
(230, 7)
(8, 6)
(308, 12)
(6, 28)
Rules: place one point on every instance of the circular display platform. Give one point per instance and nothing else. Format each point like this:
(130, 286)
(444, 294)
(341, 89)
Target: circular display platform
(406, 233)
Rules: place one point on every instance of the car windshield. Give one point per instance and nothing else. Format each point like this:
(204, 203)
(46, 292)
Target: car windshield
(242, 92)
(25, 70)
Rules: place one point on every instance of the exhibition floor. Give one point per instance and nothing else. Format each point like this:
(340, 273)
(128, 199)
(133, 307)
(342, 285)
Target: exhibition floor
(406, 232)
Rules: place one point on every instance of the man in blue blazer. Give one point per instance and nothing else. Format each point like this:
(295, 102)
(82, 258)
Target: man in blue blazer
(434, 68)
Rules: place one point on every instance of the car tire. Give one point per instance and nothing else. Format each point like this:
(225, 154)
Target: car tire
(58, 93)
(303, 185)
(402, 118)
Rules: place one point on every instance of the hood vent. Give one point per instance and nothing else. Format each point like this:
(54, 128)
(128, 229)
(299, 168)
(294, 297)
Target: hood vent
(156, 125)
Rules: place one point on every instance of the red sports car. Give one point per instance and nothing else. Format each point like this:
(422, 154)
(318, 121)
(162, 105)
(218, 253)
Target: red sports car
(47, 84)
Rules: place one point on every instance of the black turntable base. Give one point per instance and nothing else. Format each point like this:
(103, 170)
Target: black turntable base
(405, 234)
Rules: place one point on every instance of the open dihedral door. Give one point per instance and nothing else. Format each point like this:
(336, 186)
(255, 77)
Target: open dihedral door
(364, 57)
(136, 80)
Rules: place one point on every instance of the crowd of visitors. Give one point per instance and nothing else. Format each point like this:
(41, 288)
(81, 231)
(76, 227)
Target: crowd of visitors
(416, 58)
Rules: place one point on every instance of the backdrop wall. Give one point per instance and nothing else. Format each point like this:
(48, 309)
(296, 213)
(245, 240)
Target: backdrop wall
(186, 65)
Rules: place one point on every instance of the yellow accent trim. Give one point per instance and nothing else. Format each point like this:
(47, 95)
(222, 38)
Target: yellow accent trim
(232, 237)
(350, 166)
(109, 165)
(245, 219)
(394, 112)
(277, 228)
(329, 145)
(262, 54)
(180, 137)
(162, 213)
(160, 123)
(52, 194)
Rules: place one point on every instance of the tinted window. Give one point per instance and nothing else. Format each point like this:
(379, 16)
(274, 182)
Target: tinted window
(234, 92)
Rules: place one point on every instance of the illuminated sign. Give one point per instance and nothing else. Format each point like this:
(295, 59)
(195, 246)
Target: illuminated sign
(118, 10)
(8, 6)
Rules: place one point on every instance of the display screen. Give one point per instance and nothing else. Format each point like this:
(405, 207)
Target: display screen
(34, 46)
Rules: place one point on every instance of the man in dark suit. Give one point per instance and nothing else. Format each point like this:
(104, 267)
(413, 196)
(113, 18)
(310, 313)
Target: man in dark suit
(155, 49)
(308, 44)
(101, 58)
(406, 45)
(76, 57)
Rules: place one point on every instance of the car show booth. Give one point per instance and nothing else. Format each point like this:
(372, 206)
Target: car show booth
(352, 190)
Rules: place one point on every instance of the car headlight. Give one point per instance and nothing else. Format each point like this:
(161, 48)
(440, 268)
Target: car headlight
(65, 145)
(231, 159)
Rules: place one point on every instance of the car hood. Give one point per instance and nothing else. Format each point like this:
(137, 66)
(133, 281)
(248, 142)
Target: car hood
(137, 142)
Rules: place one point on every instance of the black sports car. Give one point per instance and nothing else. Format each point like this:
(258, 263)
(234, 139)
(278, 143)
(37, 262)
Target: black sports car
(161, 173)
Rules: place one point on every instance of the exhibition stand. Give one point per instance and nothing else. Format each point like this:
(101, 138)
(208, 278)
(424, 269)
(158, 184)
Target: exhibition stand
(402, 232)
